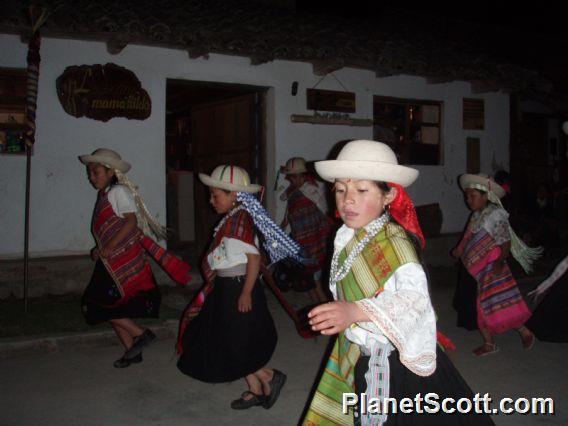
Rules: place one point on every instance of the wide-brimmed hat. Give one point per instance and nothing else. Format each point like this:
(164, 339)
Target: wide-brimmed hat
(230, 178)
(369, 160)
(483, 183)
(106, 157)
(294, 166)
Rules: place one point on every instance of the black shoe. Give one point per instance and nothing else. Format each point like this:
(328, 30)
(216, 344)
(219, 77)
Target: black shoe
(139, 343)
(276, 384)
(243, 404)
(125, 362)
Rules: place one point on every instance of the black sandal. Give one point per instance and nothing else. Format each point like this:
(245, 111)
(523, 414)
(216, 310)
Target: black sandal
(125, 362)
(276, 384)
(243, 404)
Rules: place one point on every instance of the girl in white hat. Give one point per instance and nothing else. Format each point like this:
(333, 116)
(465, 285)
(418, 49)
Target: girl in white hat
(307, 215)
(387, 345)
(484, 249)
(227, 332)
(122, 286)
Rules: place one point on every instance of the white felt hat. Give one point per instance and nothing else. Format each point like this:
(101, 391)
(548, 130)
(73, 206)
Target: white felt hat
(106, 157)
(483, 183)
(230, 178)
(369, 160)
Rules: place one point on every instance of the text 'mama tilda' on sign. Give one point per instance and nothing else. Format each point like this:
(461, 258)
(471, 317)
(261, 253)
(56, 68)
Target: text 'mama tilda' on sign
(102, 92)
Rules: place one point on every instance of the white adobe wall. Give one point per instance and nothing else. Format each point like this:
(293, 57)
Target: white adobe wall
(62, 199)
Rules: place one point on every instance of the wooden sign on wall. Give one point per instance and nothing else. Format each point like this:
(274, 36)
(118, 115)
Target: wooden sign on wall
(102, 92)
(473, 114)
(330, 100)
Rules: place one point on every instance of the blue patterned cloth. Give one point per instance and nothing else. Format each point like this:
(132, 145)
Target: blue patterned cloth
(277, 244)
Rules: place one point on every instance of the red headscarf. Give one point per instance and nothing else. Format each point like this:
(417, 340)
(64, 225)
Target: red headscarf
(402, 210)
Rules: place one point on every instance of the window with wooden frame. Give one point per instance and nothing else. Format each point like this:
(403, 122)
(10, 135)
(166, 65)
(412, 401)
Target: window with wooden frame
(412, 128)
(12, 110)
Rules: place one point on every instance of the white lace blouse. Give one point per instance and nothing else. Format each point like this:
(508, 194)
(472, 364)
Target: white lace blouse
(494, 220)
(401, 314)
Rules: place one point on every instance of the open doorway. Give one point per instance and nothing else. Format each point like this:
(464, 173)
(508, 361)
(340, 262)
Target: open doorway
(208, 124)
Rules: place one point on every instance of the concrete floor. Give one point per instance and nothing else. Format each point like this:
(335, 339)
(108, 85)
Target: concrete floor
(79, 386)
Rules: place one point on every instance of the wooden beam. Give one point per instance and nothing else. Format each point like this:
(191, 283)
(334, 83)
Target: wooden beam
(325, 66)
(195, 52)
(439, 80)
(324, 119)
(116, 45)
(260, 59)
(484, 86)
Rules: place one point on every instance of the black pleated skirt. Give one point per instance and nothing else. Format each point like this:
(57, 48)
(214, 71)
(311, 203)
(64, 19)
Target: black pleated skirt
(548, 321)
(222, 344)
(465, 299)
(99, 301)
(446, 381)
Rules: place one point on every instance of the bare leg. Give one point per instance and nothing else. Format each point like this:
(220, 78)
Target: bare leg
(254, 384)
(527, 337)
(126, 330)
(124, 337)
(265, 375)
(487, 337)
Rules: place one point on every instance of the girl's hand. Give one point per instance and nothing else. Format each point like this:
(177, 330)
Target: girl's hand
(334, 317)
(456, 252)
(498, 266)
(106, 251)
(95, 254)
(245, 302)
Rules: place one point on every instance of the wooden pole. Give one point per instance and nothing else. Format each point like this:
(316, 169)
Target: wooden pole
(37, 18)
(27, 225)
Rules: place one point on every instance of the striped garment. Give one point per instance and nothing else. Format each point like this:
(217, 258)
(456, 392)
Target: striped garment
(239, 226)
(370, 271)
(500, 305)
(128, 264)
(310, 228)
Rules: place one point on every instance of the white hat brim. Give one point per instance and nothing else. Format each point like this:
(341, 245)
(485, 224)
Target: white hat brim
(208, 181)
(113, 163)
(467, 179)
(330, 170)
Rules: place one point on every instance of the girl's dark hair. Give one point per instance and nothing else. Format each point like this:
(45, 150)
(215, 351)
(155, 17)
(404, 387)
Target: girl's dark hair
(114, 180)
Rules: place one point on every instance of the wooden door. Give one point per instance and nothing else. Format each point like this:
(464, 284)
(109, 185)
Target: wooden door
(223, 132)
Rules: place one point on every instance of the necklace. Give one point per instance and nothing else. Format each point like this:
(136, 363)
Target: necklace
(226, 217)
(338, 273)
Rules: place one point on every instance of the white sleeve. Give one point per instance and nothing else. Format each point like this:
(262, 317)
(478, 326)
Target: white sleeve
(121, 200)
(230, 252)
(403, 313)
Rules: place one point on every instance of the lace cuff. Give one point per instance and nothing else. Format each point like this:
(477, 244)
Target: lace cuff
(407, 319)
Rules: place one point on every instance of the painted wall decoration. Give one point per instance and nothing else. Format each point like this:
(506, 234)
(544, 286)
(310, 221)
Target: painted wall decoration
(102, 92)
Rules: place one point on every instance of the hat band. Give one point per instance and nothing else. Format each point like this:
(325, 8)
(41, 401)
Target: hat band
(231, 169)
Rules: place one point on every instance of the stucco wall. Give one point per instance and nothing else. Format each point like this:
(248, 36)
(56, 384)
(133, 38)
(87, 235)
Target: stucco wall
(62, 199)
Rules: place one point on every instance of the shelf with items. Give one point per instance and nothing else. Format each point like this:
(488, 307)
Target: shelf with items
(12, 111)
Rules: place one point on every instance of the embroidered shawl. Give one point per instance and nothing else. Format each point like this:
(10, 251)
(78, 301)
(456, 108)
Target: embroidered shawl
(128, 264)
(500, 304)
(310, 227)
